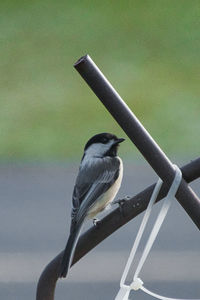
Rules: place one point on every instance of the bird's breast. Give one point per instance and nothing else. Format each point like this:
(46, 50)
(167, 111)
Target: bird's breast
(108, 196)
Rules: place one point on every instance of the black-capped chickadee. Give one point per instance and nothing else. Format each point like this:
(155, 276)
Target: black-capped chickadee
(98, 181)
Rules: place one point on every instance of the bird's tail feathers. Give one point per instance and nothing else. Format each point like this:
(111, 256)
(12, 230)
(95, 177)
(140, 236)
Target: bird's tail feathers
(70, 249)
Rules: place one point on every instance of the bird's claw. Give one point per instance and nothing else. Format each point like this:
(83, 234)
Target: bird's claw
(121, 202)
(126, 198)
(96, 222)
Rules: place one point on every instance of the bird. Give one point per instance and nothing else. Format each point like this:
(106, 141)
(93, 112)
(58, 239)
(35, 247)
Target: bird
(98, 181)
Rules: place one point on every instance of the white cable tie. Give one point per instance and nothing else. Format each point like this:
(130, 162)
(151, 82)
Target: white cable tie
(145, 290)
(136, 284)
(123, 293)
(160, 218)
(140, 231)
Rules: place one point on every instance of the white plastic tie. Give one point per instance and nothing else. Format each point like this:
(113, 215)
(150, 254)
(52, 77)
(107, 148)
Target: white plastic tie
(137, 283)
(123, 293)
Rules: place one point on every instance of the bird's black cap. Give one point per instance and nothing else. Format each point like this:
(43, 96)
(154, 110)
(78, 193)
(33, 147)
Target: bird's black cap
(103, 138)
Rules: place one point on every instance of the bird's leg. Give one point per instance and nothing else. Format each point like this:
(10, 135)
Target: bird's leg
(96, 222)
(121, 202)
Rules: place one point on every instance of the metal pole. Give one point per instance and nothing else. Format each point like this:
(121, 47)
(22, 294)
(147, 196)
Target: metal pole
(109, 224)
(138, 134)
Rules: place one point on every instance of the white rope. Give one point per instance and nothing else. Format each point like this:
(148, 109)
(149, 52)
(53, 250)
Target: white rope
(137, 283)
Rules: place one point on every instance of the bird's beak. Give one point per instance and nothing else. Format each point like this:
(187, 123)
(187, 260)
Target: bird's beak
(118, 141)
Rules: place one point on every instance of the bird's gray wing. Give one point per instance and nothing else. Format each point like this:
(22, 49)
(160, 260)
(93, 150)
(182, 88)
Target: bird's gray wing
(93, 181)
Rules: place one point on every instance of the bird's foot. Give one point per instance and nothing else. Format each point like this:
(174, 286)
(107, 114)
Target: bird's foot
(121, 202)
(96, 222)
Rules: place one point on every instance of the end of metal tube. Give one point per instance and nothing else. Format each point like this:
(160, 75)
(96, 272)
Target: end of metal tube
(81, 61)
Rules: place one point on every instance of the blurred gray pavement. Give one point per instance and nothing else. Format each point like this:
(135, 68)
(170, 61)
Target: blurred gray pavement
(34, 224)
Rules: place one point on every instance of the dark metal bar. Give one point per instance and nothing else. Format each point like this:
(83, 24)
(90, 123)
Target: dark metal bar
(108, 225)
(137, 133)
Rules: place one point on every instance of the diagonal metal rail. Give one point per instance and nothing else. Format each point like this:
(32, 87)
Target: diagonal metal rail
(109, 224)
(137, 134)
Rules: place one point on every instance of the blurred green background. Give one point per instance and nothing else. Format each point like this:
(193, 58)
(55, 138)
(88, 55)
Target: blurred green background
(149, 50)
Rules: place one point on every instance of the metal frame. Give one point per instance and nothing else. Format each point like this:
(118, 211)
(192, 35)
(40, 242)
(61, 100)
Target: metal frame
(137, 204)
